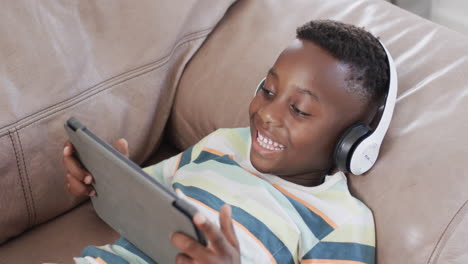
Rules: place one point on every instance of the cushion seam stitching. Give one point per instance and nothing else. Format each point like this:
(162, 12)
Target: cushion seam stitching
(20, 176)
(28, 179)
(59, 109)
(447, 233)
(137, 72)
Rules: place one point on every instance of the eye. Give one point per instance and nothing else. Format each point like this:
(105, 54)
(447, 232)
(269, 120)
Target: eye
(267, 92)
(298, 112)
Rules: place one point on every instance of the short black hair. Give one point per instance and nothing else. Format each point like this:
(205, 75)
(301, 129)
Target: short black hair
(358, 49)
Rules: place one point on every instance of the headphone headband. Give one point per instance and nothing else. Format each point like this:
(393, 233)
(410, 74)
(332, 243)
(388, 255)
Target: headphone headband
(390, 101)
(365, 153)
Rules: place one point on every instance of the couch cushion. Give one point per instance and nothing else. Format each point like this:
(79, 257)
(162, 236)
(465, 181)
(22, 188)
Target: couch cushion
(112, 64)
(64, 237)
(418, 185)
(60, 239)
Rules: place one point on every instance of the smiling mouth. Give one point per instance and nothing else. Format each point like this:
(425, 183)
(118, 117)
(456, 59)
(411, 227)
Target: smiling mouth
(267, 143)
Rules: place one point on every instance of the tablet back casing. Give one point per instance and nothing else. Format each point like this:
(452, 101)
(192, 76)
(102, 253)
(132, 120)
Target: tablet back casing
(134, 204)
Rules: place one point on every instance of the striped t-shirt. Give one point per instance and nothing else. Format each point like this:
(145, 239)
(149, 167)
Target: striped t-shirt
(275, 221)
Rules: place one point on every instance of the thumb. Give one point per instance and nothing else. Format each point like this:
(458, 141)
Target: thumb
(227, 227)
(122, 146)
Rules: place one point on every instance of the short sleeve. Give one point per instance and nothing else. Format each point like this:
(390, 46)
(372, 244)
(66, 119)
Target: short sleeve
(165, 170)
(353, 242)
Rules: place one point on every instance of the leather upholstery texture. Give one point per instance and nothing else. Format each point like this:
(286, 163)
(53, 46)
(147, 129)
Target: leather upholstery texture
(116, 65)
(113, 64)
(417, 189)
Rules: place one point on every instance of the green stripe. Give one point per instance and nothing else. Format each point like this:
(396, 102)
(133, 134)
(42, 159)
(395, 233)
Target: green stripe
(108, 257)
(130, 253)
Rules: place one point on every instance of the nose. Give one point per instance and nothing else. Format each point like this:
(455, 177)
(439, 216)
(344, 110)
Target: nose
(270, 115)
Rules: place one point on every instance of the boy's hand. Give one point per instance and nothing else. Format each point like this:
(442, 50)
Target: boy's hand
(78, 179)
(223, 246)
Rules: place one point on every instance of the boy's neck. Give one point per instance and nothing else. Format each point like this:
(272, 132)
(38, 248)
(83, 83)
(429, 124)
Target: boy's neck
(309, 179)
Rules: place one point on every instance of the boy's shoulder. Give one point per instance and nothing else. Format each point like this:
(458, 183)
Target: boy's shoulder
(230, 136)
(354, 206)
(334, 199)
(232, 132)
(353, 220)
(229, 141)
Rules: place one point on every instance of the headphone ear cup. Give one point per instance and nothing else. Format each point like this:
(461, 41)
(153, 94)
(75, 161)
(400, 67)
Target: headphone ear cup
(348, 142)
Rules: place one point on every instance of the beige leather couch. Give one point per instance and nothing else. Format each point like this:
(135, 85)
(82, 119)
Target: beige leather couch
(136, 69)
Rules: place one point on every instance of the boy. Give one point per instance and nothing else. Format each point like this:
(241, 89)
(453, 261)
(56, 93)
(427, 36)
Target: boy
(287, 203)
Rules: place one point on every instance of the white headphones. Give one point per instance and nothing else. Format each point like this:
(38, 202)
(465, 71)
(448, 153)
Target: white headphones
(359, 146)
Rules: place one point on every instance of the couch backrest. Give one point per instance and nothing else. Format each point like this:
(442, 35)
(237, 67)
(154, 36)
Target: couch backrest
(418, 188)
(112, 64)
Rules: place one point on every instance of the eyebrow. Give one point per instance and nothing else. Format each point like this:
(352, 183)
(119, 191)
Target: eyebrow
(298, 88)
(273, 73)
(305, 91)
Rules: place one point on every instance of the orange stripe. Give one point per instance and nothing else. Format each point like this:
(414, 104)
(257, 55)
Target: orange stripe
(251, 172)
(101, 261)
(217, 153)
(272, 259)
(213, 151)
(178, 162)
(330, 261)
(313, 209)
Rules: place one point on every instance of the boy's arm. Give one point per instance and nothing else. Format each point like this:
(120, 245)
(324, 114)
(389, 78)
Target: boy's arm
(164, 171)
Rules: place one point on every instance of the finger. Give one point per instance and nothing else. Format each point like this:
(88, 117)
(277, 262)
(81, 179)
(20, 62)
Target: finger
(67, 149)
(77, 188)
(227, 227)
(212, 233)
(182, 258)
(73, 166)
(74, 169)
(190, 247)
(122, 146)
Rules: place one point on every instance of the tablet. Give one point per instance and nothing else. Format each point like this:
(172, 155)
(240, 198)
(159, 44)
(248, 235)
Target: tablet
(137, 206)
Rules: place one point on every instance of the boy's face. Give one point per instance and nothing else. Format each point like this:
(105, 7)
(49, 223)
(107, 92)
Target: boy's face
(295, 121)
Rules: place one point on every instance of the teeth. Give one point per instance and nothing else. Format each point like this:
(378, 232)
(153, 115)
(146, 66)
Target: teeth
(268, 143)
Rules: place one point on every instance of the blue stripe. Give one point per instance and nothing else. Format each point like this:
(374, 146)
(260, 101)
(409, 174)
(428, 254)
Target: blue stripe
(186, 157)
(276, 247)
(91, 251)
(319, 227)
(134, 250)
(342, 251)
(206, 156)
